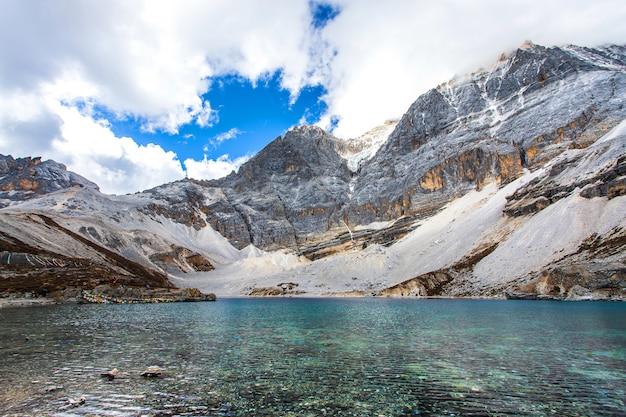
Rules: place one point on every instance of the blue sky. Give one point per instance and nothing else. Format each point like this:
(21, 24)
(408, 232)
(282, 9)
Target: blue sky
(132, 94)
(247, 117)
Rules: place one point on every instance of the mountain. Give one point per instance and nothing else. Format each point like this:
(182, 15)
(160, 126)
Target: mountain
(25, 178)
(520, 114)
(506, 182)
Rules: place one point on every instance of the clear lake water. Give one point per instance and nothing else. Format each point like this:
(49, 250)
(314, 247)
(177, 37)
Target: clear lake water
(316, 357)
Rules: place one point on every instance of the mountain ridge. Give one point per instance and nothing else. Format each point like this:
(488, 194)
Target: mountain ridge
(544, 125)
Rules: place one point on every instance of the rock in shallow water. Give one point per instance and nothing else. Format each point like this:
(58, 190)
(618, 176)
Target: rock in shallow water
(110, 374)
(152, 372)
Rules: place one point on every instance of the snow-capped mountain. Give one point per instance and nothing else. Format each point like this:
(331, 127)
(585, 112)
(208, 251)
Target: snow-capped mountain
(508, 181)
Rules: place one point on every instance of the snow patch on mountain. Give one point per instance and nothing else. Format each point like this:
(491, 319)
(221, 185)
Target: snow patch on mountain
(364, 147)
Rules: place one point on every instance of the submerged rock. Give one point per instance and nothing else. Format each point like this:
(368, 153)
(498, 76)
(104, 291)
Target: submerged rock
(112, 374)
(151, 372)
(53, 388)
(76, 402)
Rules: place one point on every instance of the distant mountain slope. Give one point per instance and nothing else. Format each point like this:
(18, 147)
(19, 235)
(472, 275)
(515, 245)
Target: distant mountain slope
(41, 256)
(509, 180)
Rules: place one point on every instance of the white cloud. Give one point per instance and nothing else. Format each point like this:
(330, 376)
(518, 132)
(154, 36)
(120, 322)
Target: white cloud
(208, 169)
(117, 165)
(26, 125)
(224, 136)
(199, 111)
(151, 58)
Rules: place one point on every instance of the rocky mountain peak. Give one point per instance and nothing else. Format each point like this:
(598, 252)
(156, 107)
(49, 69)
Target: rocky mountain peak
(292, 188)
(306, 131)
(25, 178)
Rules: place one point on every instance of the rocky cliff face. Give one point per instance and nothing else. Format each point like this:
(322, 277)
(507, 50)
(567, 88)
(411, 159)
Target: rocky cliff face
(291, 190)
(25, 178)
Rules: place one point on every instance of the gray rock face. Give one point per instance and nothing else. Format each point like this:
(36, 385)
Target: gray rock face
(291, 190)
(608, 181)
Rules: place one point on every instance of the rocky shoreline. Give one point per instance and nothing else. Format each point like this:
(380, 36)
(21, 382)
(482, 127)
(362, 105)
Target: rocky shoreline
(27, 300)
(114, 294)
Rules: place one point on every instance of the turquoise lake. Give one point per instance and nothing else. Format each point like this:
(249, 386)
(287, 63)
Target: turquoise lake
(317, 357)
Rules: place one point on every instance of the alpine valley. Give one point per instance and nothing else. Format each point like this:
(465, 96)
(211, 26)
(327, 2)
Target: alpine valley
(509, 182)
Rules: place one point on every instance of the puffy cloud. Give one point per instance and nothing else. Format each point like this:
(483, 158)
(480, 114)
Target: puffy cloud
(26, 124)
(210, 169)
(117, 165)
(152, 59)
(57, 122)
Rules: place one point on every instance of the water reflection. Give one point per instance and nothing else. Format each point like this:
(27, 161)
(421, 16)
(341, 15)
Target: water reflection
(368, 357)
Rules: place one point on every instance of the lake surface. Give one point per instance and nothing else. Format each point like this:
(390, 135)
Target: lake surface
(316, 357)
